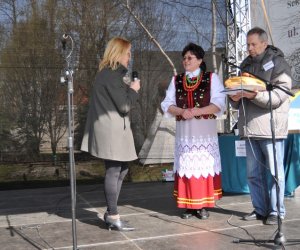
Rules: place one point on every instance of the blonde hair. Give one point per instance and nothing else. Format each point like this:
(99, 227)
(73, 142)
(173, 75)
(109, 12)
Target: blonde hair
(115, 48)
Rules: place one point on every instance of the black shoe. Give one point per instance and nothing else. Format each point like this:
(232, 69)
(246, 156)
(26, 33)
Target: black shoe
(253, 216)
(189, 213)
(105, 216)
(271, 220)
(202, 214)
(117, 224)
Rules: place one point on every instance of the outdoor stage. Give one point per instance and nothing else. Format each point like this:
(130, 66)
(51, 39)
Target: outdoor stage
(41, 219)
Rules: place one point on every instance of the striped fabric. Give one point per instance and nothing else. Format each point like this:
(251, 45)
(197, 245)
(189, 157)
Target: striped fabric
(196, 193)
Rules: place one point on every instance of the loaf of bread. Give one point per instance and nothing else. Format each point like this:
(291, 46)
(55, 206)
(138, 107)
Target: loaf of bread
(245, 82)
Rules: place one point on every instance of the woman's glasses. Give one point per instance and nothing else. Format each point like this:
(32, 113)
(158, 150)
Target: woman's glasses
(189, 58)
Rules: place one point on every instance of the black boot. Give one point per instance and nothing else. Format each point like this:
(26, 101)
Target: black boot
(189, 213)
(202, 214)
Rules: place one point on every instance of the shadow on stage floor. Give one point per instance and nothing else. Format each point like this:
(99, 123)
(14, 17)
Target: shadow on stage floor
(41, 219)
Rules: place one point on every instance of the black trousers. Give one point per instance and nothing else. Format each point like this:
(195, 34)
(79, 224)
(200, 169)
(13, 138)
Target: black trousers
(114, 176)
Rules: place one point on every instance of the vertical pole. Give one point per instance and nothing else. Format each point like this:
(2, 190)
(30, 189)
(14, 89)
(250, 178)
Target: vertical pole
(71, 157)
(69, 80)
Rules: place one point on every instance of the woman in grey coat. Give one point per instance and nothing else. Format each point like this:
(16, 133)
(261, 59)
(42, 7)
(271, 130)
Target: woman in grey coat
(108, 133)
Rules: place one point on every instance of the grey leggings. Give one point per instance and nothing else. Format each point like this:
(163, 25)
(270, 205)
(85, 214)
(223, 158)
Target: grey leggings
(114, 176)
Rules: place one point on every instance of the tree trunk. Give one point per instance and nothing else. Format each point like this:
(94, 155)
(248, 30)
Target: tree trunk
(214, 36)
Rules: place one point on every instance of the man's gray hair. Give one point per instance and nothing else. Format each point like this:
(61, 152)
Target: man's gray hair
(263, 36)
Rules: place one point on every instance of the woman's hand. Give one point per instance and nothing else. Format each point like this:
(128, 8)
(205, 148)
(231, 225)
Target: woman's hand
(135, 85)
(196, 111)
(207, 110)
(187, 114)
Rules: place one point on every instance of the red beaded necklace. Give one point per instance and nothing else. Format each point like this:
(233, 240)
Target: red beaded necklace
(191, 88)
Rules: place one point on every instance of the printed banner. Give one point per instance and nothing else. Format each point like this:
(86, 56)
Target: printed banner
(284, 19)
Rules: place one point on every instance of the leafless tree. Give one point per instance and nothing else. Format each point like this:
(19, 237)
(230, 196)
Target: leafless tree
(30, 77)
(32, 59)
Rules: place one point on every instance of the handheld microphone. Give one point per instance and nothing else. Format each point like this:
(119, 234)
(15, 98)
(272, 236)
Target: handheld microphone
(134, 75)
(64, 41)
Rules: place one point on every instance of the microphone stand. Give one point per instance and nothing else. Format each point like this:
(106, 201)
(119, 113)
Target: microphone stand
(68, 79)
(279, 238)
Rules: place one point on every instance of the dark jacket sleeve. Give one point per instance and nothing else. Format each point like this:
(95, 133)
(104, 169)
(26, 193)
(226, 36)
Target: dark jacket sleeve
(121, 94)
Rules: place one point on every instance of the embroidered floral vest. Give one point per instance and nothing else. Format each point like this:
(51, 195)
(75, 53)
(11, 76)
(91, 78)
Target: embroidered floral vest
(197, 95)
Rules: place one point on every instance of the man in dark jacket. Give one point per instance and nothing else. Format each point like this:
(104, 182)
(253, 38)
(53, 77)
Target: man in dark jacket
(268, 63)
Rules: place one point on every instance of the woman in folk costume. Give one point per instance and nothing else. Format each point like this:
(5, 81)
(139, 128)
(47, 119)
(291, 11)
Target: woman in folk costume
(195, 99)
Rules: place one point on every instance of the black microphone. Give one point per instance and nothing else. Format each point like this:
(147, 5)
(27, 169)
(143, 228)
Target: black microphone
(134, 75)
(64, 41)
(224, 58)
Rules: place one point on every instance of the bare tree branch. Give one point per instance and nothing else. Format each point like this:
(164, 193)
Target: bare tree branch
(150, 35)
(187, 18)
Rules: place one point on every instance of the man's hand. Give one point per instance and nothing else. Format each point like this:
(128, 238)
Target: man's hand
(236, 97)
(247, 74)
(243, 94)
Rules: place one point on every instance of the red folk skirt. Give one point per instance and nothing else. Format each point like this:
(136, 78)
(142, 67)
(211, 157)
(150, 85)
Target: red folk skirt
(196, 193)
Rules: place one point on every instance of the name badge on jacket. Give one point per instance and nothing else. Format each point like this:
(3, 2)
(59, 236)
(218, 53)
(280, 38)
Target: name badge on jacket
(268, 65)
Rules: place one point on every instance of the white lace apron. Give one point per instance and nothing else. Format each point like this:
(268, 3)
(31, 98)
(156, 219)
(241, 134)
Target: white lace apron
(197, 148)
